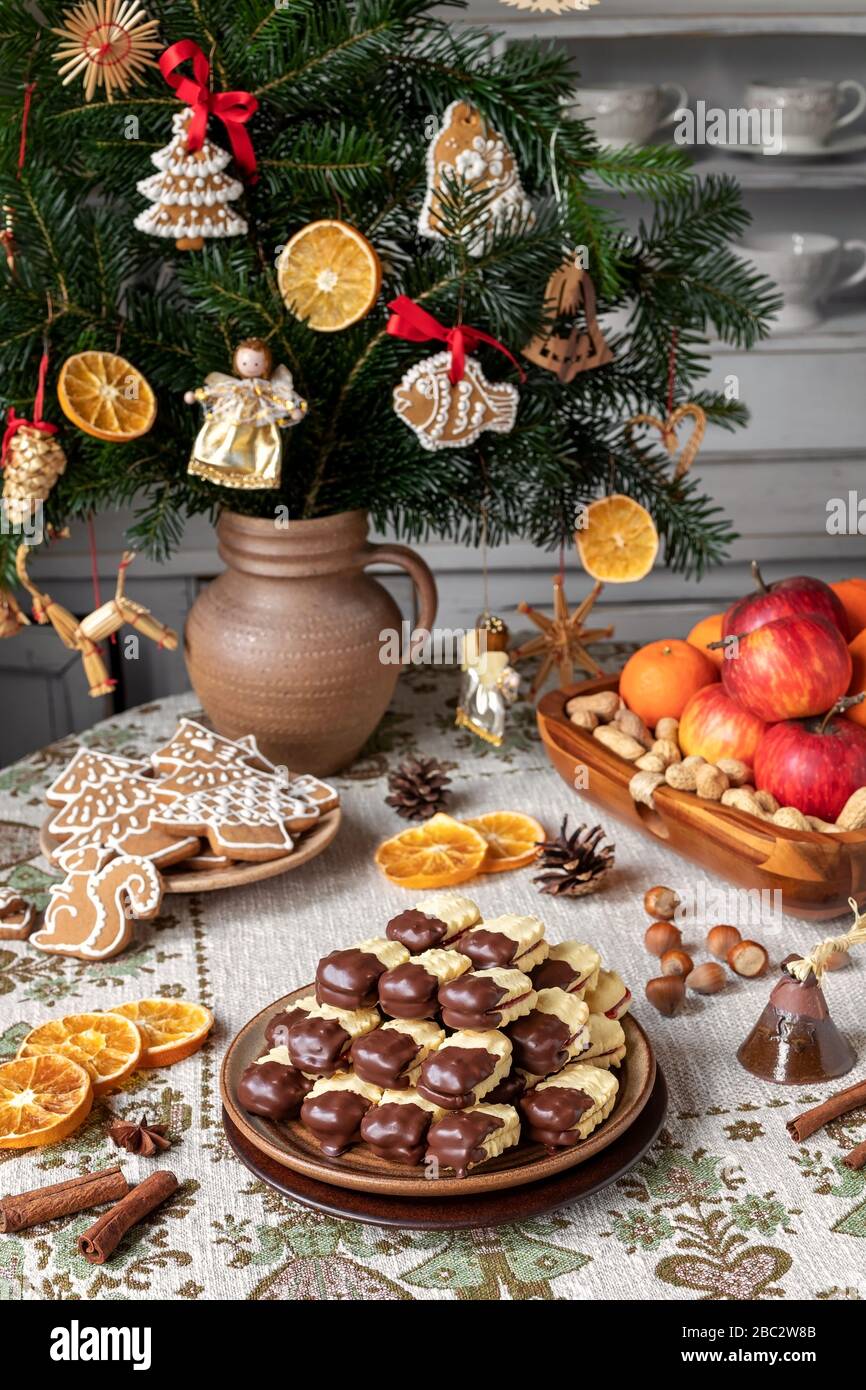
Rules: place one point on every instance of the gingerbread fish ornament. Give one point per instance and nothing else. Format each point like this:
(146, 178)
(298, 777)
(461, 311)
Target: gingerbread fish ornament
(451, 415)
(467, 150)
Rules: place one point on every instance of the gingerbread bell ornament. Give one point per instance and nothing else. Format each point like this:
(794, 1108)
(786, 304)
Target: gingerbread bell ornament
(239, 445)
(795, 1041)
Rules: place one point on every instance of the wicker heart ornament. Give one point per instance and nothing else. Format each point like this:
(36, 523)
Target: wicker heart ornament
(688, 452)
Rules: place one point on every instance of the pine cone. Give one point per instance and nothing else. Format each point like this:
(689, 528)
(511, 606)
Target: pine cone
(418, 788)
(574, 864)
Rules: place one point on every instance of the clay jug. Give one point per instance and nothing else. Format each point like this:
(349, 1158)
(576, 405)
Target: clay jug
(286, 645)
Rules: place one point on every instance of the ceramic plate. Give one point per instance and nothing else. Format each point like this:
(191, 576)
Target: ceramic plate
(180, 880)
(847, 144)
(292, 1146)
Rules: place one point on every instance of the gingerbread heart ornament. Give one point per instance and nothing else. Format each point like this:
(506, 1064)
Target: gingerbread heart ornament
(689, 451)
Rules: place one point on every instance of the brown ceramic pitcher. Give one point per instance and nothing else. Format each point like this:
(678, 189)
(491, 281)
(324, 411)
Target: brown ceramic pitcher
(286, 644)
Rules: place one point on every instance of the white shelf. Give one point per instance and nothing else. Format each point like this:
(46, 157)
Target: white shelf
(768, 173)
(584, 25)
(843, 330)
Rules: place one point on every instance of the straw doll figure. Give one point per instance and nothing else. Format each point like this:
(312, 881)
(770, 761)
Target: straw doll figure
(239, 445)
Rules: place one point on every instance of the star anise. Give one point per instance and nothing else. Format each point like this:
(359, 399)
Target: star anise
(142, 1138)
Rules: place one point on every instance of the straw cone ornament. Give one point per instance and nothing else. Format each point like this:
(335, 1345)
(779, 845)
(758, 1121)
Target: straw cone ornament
(795, 1041)
(120, 610)
(34, 461)
(45, 610)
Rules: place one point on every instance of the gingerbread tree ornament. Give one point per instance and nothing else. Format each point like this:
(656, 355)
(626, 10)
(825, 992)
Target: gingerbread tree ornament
(191, 194)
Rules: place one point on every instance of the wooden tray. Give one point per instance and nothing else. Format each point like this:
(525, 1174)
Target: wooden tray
(499, 1207)
(816, 872)
(292, 1146)
(233, 875)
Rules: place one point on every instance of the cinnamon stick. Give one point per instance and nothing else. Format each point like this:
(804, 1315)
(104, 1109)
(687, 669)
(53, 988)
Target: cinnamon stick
(24, 1209)
(852, 1098)
(856, 1159)
(99, 1242)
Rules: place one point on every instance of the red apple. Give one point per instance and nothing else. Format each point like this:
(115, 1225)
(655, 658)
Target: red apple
(788, 669)
(787, 598)
(713, 727)
(813, 764)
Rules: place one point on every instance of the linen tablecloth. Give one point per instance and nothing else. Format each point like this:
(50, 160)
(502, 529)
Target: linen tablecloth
(725, 1205)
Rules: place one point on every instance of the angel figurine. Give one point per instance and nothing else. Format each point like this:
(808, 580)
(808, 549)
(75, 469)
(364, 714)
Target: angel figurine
(239, 444)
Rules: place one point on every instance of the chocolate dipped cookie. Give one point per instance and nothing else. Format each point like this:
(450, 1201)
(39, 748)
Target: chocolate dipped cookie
(463, 1140)
(486, 999)
(411, 990)
(437, 920)
(606, 1042)
(350, 979)
(391, 1056)
(550, 1036)
(507, 942)
(334, 1109)
(462, 1071)
(572, 966)
(318, 1042)
(277, 1031)
(610, 996)
(565, 1108)
(396, 1128)
(272, 1087)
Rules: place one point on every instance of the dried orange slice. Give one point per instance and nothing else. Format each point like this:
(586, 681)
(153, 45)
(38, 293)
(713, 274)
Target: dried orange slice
(437, 854)
(171, 1029)
(105, 396)
(107, 1046)
(512, 839)
(619, 541)
(42, 1099)
(329, 275)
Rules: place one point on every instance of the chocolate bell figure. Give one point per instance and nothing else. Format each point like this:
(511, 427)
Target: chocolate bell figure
(795, 1041)
(489, 684)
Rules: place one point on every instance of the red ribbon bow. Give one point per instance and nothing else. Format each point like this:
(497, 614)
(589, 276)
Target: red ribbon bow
(234, 109)
(14, 422)
(408, 320)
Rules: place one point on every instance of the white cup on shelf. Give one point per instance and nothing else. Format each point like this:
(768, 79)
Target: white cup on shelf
(806, 267)
(628, 113)
(809, 108)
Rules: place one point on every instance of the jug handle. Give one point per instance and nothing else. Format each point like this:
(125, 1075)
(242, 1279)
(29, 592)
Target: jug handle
(418, 571)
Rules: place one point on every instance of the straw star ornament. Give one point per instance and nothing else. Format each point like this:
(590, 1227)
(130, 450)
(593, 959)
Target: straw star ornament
(551, 6)
(107, 42)
(563, 638)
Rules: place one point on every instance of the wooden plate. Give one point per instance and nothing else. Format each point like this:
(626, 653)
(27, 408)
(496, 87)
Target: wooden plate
(292, 1146)
(499, 1207)
(815, 872)
(233, 875)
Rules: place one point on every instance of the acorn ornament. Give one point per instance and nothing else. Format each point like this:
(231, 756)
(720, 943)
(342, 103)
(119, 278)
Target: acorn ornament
(795, 1041)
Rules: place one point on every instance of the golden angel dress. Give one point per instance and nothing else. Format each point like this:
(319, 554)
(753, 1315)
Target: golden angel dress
(239, 443)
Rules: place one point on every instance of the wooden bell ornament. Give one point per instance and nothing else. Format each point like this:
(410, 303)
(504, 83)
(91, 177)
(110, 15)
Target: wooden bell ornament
(570, 291)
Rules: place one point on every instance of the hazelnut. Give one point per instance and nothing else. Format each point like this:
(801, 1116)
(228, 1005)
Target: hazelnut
(708, 978)
(662, 936)
(677, 962)
(666, 993)
(661, 902)
(748, 958)
(837, 961)
(720, 940)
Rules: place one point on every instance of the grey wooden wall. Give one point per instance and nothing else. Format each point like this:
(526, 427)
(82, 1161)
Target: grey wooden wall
(806, 443)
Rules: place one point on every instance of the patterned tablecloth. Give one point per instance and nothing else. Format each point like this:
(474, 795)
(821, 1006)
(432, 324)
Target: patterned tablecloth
(726, 1205)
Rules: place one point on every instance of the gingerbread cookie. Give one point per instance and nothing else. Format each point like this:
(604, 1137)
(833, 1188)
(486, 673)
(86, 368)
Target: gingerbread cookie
(467, 151)
(194, 746)
(249, 819)
(120, 813)
(17, 916)
(90, 768)
(451, 415)
(91, 912)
